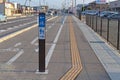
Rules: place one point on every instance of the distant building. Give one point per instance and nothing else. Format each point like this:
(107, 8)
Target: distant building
(80, 7)
(36, 9)
(40, 9)
(18, 8)
(44, 8)
(95, 6)
(27, 9)
(2, 1)
(115, 6)
(7, 8)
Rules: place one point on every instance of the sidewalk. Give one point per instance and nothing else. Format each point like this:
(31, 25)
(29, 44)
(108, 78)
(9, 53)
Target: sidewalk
(108, 56)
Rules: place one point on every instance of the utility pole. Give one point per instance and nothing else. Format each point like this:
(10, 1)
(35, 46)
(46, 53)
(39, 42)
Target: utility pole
(29, 6)
(83, 5)
(25, 6)
(4, 6)
(39, 5)
(75, 3)
(75, 8)
(43, 2)
(72, 5)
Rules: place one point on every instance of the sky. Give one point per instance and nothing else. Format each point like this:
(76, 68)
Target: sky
(52, 3)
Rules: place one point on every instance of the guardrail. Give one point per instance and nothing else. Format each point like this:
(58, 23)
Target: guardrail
(109, 29)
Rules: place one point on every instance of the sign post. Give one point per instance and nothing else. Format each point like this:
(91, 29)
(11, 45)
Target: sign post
(42, 42)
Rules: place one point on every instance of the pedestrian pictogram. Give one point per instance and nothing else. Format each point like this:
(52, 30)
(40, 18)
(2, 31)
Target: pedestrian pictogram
(41, 33)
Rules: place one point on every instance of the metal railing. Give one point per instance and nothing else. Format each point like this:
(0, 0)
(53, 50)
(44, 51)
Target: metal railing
(109, 29)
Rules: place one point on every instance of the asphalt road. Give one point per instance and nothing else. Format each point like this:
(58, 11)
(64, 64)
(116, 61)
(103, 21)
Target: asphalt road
(19, 54)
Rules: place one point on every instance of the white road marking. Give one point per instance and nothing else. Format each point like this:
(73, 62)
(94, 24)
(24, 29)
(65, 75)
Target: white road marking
(35, 39)
(14, 21)
(50, 52)
(49, 27)
(15, 57)
(2, 30)
(52, 18)
(36, 44)
(28, 23)
(36, 50)
(17, 44)
(16, 33)
(9, 28)
(17, 26)
(53, 24)
(9, 49)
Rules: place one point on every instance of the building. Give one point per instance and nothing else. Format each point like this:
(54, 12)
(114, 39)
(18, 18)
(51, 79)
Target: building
(27, 9)
(81, 7)
(115, 6)
(7, 8)
(44, 8)
(36, 9)
(96, 6)
(2, 1)
(18, 8)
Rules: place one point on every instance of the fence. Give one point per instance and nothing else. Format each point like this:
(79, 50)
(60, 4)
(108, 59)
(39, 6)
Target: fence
(109, 29)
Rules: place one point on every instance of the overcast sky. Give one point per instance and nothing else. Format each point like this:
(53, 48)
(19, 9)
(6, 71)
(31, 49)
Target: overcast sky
(52, 3)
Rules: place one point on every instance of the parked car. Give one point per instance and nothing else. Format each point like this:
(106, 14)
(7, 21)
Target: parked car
(105, 14)
(3, 17)
(114, 16)
(94, 12)
(90, 12)
(84, 12)
(50, 13)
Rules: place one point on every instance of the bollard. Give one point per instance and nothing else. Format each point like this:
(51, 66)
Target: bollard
(41, 42)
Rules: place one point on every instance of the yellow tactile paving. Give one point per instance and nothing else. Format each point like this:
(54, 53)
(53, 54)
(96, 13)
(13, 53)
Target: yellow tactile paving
(76, 61)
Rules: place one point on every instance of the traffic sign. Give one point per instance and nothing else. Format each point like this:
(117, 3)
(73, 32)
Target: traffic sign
(42, 20)
(41, 25)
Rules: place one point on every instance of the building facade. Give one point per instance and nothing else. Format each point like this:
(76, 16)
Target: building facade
(96, 6)
(18, 8)
(2, 1)
(7, 8)
(115, 6)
